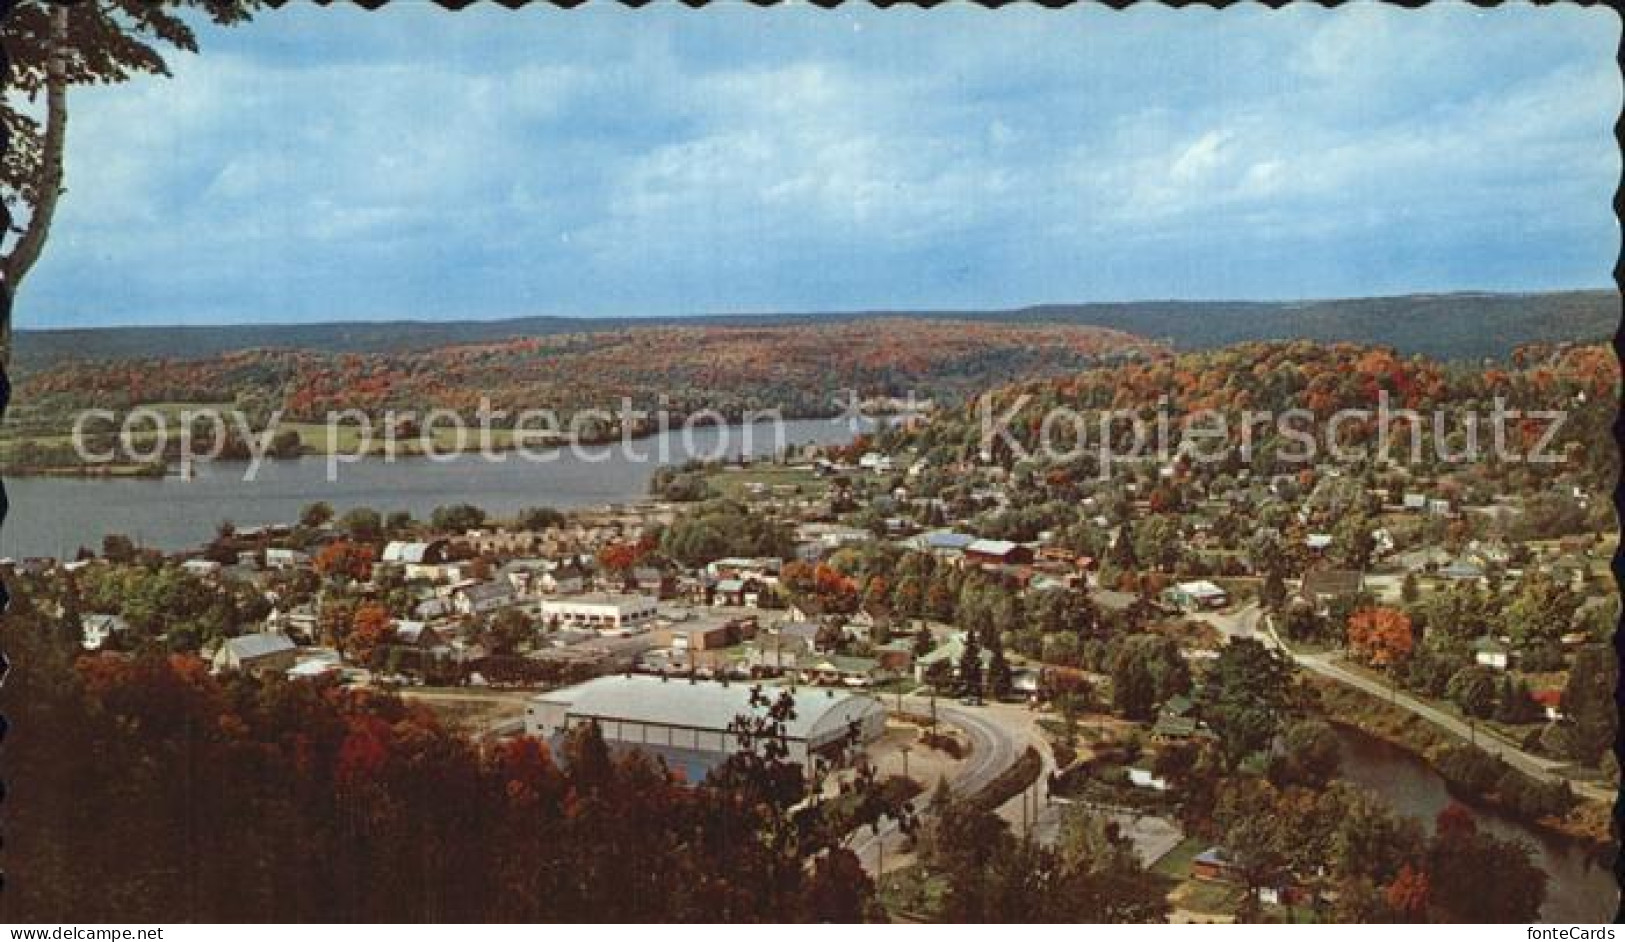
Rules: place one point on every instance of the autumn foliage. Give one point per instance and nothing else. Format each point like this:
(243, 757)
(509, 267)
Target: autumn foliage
(192, 797)
(1380, 636)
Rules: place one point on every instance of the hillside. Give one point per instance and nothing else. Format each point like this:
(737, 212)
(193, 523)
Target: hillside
(800, 369)
(1447, 327)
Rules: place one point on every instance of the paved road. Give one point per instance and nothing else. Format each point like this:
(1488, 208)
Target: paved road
(1241, 623)
(995, 744)
(1537, 766)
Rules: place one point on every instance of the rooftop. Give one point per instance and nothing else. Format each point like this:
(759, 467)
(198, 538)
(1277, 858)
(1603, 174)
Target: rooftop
(705, 705)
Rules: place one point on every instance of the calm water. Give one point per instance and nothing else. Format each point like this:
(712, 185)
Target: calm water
(1580, 889)
(55, 516)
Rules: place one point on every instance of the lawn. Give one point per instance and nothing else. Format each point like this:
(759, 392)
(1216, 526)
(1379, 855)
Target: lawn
(1176, 864)
(913, 891)
(736, 485)
(1201, 896)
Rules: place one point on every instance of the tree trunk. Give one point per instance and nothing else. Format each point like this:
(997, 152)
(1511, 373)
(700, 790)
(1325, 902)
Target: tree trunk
(28, 248)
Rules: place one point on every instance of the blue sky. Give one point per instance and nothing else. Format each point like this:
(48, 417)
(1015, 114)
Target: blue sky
(323, 164)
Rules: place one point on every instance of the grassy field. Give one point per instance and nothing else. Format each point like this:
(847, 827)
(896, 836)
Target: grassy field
(737, 484)
(1176, 864)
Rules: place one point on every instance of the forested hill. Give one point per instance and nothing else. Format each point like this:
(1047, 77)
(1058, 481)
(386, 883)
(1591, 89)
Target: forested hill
(1444, 326)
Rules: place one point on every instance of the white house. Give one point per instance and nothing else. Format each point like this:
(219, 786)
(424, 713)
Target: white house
(482, 597)
(1489, 652)
(280, 558)
(255, 653)
(203, 568)
(96, 629)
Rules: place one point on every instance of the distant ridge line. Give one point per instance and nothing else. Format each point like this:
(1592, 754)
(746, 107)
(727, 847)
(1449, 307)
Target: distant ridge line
(1456, 325)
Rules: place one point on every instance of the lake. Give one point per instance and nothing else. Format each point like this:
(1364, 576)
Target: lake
(1580, 889)
(55, 516)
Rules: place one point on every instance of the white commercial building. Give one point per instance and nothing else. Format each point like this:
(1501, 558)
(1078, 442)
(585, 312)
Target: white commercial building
(602, 611)
(686, 722)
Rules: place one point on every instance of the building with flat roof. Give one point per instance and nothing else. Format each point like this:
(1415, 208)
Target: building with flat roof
(602, 611)
(1192, 596)
(686, 722)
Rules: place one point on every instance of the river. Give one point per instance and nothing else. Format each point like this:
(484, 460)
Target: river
(1580, 889)
(51, 516)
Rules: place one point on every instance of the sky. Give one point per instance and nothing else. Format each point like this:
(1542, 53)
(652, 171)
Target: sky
(333, 164)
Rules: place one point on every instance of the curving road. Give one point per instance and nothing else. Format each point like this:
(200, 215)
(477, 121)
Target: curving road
(995, 747)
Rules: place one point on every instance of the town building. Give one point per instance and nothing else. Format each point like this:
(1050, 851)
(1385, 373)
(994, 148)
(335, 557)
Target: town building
(261, 652)
(1322, 588)
(602, 611)
(1200, 595)
(687, 723)
(1001, 552)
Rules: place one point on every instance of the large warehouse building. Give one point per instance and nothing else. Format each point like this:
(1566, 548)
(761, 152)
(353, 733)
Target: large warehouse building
(686, 722)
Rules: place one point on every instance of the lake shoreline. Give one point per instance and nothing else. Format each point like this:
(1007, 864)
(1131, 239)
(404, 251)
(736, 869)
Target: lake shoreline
(407, 449)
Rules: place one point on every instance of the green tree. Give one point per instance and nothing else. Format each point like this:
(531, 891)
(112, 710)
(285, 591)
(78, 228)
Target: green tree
(1122, 556)
(1588, 702)
(1541, 610)
(1474, 690)
(539, 518)
(1245, 697)
(316, 515)
(363, 524)
(1310, 755)
(51, 48)
(970, 666)
(457, 518)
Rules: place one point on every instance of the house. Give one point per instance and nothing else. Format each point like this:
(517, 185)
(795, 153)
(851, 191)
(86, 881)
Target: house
(1551, 703)
(417, 634)
(833, 536)
(566, 578)
(202, 568)
(312, 668)
(1200, 595)
(896, 657)
(96, 630)
(651, 580)
(942, 542)
(739, 593)
(710, 633)
(1145, 778)
(764, 569)
(876, 462)
(1490, 652)
(1462, 570)
(1322, 588)
(256, 653)
(417, 560)
(949, 652)
(281, 558)
(481, 597)
(838, 670)
(999, 552)
(1215, 866)
(1425, 559)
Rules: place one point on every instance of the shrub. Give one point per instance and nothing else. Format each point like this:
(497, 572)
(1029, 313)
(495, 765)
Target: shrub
(1529, 797)
(1470, 768)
